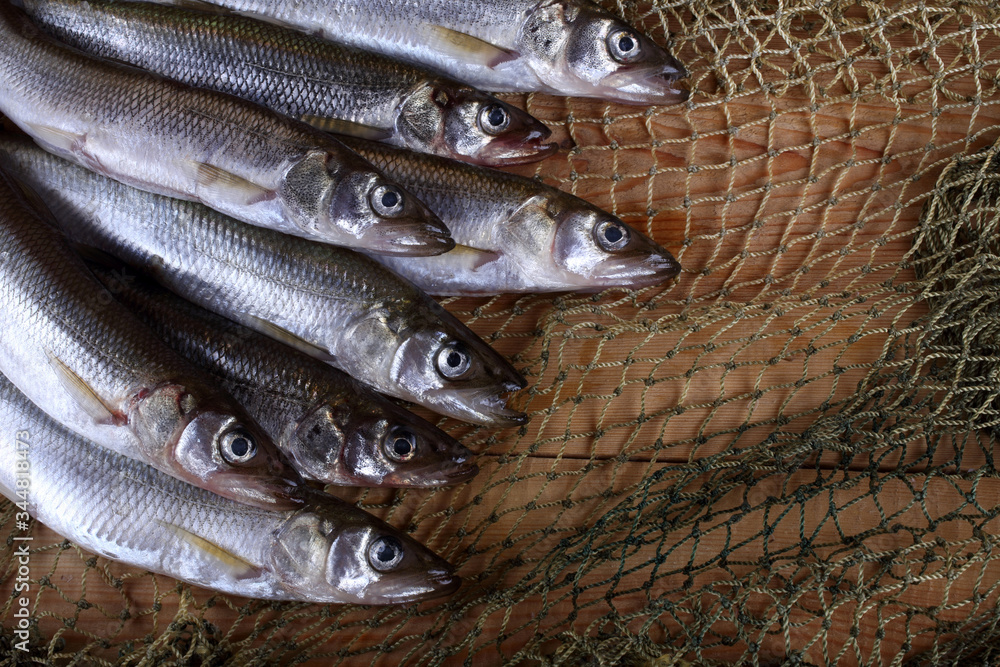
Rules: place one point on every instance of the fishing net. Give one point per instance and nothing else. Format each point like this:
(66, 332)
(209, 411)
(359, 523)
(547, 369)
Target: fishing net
(786, 457)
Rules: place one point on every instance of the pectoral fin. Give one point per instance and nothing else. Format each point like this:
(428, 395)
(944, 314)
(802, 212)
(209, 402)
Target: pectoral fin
(218, 182)
(351, 129)
(467, 48)
(83, 394)
(237, 567)
(288, 338)
(473, 258)
(60, 140)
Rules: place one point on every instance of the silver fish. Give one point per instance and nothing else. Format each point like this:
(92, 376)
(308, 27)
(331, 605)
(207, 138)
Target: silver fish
(230, 154)
(89, 363)
(515, 234)
(332, 87)
(328, 551)
(333, 429)
(565, 47)
(332, 303)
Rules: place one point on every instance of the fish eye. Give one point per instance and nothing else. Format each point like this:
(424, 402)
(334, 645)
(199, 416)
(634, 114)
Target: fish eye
(401, 446)
(385, 553)
(494, 119)
(611, 235)
(387, 201)
(453, 362)
(238, 447)
(624, 46)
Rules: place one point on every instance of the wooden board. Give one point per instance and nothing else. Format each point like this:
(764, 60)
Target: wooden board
(764, 202)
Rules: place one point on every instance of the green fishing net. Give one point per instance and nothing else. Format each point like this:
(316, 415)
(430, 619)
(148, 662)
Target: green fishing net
(786, 457)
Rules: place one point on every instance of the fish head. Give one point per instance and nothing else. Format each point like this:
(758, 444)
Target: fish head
(212, 445)
(354, 205)
(462, 123)
(447, 368)
(331, 551)
(419, 352)
(379, 445)
(577, 48)
(595, 250)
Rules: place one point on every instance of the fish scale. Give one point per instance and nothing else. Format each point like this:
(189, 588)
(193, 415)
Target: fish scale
(88, 362)
(554, 46)
(225, 152)
(337, 304)
(331, 86)
(292, 395)
(514, 234)
(122, 509)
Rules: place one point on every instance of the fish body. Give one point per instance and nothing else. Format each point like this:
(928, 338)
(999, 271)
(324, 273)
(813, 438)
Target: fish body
(201, 145)
(89, 363)
(333, 429)
(334, 304)
(330, 86)
(514, 234)
(564, 47)
(327, 551)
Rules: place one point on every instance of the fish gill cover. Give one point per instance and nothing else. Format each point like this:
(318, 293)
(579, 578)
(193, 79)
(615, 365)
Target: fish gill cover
(786, 457)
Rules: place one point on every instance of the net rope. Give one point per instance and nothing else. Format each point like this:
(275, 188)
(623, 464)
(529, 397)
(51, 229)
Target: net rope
(784, 458)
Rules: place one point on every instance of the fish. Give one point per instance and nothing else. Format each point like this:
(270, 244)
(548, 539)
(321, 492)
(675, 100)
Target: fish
(86, 361)
(563, 47)
(332, 87)
(331, 303)
(325, 551)
(515, 234)
(173, 139)
(333, 429)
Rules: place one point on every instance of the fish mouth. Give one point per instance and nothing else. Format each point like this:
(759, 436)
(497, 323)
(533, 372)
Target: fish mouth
(648, 85)
(431, 477)
(434, 583)
(446, 579)
(521, 145)
(488, 407)
(417, 239)
(462, 473)
(460, 468)
(638, 272)
(440, 583)
(266, 493)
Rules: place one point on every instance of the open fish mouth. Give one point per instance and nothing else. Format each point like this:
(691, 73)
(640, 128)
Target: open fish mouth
(515, 153)
(490, 407)
(648, 85)
(410, 240)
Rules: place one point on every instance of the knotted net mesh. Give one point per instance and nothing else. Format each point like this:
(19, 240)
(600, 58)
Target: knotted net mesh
(786, 457)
